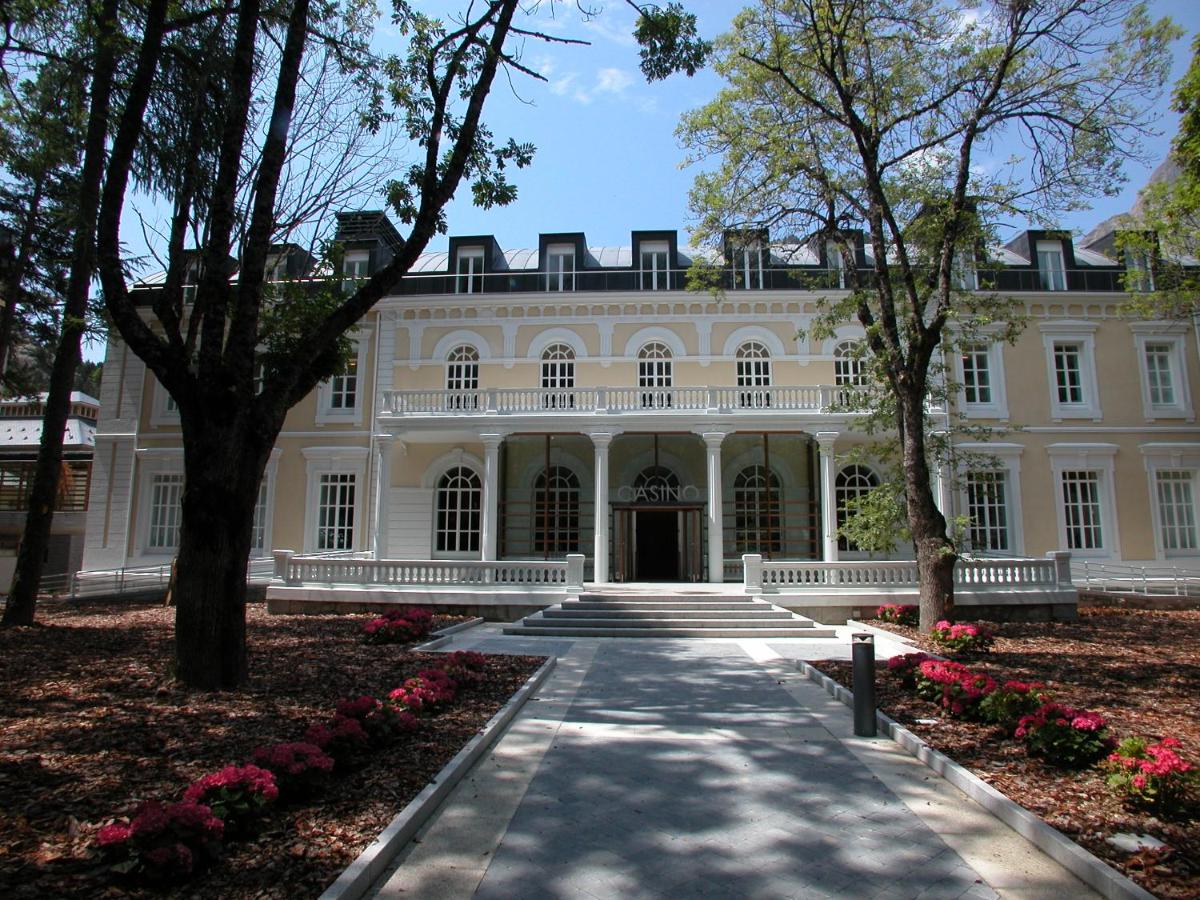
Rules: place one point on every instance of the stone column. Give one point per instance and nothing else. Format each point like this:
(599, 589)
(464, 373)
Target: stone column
(716, 533)
(941, 490)
(829, 545)
(600, 443)
(489, 527)
(383, 477)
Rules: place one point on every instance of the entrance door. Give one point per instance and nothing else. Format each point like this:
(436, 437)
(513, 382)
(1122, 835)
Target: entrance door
(656, 536)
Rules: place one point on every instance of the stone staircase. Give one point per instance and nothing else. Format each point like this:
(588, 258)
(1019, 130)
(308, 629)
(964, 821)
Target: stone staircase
(655, 611)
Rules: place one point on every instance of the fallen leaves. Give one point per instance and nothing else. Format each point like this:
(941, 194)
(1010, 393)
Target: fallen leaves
(91, 723)
(1140, 669)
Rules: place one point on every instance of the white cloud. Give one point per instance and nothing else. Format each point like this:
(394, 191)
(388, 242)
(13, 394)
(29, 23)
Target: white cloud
(612, 81)
(561, 86)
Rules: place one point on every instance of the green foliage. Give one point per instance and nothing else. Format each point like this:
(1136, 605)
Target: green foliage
(1162, 236)
(876, 520)
(669, 42)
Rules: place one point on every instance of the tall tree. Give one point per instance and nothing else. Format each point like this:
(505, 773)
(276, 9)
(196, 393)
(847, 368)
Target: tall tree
(43, 495)
(1164, 227)
(924, 123)
(205, 353)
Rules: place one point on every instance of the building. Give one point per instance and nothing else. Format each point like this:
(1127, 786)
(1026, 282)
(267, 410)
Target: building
(20, 437)
(523, 405)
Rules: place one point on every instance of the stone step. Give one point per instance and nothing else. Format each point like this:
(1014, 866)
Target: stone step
(756, 631)
(631, 605)
(593, 612)
(686, 599)
(668, 622)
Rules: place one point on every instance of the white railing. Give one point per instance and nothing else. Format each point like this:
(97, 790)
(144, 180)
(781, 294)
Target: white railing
(762, 576)
(566, 574)
(625, 400)
(1114, 578)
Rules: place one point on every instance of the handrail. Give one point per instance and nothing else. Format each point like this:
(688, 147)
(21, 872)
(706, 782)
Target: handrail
(1122, 578)
(625, 400)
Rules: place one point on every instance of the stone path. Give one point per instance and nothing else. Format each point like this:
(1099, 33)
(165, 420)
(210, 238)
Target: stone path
(668, 769)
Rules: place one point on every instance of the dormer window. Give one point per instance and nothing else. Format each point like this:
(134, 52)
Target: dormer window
(560, 267)
(469, 268)
(1052, 271)
(191, 278)
(1139, 273)
(355, 269)
(836, 264)
(963, 276)
(655, 276)
(748, 267)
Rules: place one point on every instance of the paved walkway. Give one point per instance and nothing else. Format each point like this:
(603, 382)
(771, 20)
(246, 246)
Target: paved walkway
(677, 768)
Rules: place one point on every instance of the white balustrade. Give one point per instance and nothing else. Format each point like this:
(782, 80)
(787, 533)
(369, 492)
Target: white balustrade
(788, 575)
(310, 570)
(554, 401)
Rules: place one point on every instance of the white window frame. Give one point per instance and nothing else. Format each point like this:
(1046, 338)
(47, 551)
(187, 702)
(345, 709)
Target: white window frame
(1051, 278)
(1084, 335)
(557, 376)
(268, 522)
(433, 531)
(1168, 333)
(163, 411)
(997, 407)
(964, 272)
(836, 263)
(846, 355)
(152, 462)
(1098, 458)
(327, 413)
(748, 265)
(470, 281)
(656, 375)
(654, 277)
(327, 461)
(356, 268)
(752, 361)
(1171, 457)
(560, 267)
(1000, 457)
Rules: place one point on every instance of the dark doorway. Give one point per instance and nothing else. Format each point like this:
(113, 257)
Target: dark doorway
(657, 545)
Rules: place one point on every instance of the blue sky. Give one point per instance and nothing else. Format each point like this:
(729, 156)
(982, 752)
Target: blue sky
(608, 161)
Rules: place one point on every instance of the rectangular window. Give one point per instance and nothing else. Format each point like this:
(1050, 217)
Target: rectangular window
(987, 509)
(1081, 508)
(355, 270)
(16, 483)
(963, 276)
(748, 268)
(258, 530)
(1159, 377)
(335, 511)
(469, 267)
(1176, 510)
(655, 275)
(166, 511)
(1068, 373)
(977, 378)
(1051, 270)
(837, 265)
(560, 268)
(1139, 273)
(343, 389)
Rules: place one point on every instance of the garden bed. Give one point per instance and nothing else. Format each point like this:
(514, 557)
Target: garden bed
(91, 723)
(1139, 669)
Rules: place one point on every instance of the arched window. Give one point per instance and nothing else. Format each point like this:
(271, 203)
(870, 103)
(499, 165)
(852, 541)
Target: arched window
(558, 377)
(753, 371)
(462, 377)
(459, 511)
(655, 374)
(556, 511)
(851, 483)
(848, 369)
(757, 512)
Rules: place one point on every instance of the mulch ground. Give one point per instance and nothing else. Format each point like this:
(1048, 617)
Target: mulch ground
(91, 724)
(1139, 669)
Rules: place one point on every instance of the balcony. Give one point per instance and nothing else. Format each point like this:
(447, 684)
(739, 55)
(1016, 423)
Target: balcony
(623, 401)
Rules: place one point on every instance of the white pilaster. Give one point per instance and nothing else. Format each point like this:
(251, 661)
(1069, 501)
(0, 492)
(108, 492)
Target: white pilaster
(716, 535)
(941, 490)
(829, 545)
(383, 469)
(489, 527)
(600, 443)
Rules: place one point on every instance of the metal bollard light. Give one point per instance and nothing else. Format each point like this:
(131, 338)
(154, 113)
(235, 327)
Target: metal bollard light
(862, 647)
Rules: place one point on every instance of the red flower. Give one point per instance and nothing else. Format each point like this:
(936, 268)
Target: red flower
(113, 834)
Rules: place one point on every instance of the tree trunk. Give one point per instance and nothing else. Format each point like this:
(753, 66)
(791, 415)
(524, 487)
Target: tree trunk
(223, 468)
(22, 598)
(935, 553)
